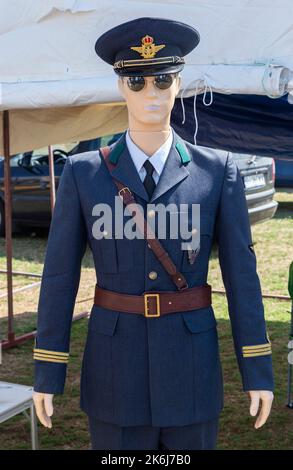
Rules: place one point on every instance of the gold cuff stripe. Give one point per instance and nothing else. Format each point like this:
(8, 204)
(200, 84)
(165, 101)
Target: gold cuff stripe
(257, 349)
(48, 359)
(52, 356)
(55, 353)
(257, 354)
(258, 346)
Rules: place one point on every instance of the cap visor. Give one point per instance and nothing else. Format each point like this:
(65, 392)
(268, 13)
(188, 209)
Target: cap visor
(148, 71)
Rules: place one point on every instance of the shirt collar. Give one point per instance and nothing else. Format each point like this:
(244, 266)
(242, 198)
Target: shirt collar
(158, 159)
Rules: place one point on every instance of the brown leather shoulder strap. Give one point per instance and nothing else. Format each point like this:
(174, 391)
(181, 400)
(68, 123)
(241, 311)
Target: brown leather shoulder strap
(145, 228)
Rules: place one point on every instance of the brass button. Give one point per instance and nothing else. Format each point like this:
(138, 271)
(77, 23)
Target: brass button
(105, 233)
(193, 231)
(151, 213)
(153, 275)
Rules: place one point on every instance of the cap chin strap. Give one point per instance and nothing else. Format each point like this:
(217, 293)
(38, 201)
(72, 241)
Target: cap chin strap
(143, 62)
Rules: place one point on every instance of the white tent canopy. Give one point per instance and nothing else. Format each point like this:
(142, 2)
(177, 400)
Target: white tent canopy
(47, 59)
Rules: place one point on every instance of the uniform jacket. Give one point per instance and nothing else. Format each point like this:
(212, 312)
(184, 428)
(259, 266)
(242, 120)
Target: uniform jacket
(162, 371)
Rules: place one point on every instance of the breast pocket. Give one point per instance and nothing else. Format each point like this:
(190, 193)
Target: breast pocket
(113, 255)
(105, 253)
(204, 247)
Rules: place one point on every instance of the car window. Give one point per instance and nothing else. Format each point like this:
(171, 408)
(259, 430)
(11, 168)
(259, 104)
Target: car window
(15, 159)
(41, 154)
(44, 150)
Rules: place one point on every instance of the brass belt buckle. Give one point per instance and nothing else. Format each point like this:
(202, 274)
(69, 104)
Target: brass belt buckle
(146, 307)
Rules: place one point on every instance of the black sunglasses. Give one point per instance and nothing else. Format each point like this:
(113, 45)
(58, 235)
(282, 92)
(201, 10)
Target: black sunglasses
(163, 81)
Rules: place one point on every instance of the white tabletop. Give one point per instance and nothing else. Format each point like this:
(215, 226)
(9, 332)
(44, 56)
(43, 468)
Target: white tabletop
(14, 399)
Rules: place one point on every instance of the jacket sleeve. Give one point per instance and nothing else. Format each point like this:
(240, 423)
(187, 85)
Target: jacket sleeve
(66, 247)
(239, 272)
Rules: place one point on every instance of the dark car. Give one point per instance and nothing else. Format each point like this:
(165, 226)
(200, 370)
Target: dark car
(258, 175)
(31, 183)
(284, 172)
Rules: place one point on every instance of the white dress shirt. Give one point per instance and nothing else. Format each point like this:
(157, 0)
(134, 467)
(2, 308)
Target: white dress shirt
(158, 159)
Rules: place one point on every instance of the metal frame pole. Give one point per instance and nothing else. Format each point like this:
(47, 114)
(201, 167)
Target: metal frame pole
(290, 365)
(34, 428)
(8, 223)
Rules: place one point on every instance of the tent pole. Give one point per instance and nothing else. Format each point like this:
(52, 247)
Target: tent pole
(8, 222)
(52, 178)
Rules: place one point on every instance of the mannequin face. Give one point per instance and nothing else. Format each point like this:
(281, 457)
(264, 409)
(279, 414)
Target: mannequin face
(149, 108)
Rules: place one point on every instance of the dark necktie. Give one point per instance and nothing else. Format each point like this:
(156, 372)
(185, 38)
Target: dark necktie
(149, 182)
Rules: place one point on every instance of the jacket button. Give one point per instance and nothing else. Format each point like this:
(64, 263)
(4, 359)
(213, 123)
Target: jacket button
(153, 275)
(151, 213)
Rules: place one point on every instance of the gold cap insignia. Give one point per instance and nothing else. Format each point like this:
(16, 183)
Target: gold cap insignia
(148, 49)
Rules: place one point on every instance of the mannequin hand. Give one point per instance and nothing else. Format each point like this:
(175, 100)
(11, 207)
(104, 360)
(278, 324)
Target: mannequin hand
(266, 397)
(44, 407)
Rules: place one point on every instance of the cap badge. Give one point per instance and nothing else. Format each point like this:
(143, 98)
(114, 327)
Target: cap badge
(148, 49)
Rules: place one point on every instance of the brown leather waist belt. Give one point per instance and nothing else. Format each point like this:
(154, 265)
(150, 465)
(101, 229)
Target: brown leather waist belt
(154, 304)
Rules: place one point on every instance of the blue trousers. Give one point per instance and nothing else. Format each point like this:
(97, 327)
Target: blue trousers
(197, 436)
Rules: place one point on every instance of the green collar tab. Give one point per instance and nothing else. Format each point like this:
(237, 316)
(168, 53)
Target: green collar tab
(185, 158)
(115, 153)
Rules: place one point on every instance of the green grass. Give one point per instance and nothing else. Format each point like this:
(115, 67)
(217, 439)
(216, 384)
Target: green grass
(274, 253)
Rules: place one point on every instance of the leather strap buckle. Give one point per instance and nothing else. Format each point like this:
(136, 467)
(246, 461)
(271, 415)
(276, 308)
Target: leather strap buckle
(147, 307)
(123, 190)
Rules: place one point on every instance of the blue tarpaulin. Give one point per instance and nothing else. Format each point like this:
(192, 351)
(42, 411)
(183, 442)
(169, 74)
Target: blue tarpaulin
(251, 124)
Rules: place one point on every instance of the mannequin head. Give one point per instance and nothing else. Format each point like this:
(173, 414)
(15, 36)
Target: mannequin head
(150, 108)
(148, 47)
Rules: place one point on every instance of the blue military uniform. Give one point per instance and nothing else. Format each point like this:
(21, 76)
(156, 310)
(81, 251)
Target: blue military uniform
(151, 372)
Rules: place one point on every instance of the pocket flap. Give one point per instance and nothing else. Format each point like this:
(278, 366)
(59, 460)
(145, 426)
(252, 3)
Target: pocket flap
(103, 320)
(199, 320)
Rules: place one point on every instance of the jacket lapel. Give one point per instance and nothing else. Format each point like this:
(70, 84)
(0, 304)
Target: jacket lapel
(173, 172)
(126, 172)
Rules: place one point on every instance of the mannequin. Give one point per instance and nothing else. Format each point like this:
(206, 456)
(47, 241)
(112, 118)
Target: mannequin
(149, 130)
(149, 111)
